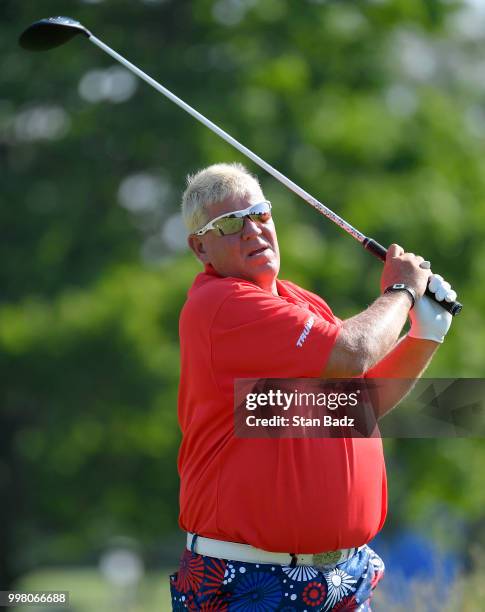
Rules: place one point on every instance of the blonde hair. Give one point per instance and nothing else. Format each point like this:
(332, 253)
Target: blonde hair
(212, 185)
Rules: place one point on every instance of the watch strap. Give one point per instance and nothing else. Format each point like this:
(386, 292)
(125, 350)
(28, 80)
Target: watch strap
(402, 287)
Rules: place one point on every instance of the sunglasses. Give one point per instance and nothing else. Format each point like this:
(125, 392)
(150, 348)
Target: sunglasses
(233, 223)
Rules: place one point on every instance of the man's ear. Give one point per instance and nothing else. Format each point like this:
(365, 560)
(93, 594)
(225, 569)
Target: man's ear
(197, 247)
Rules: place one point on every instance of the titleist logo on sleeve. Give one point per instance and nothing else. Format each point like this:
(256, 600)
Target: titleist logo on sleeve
(305, 332)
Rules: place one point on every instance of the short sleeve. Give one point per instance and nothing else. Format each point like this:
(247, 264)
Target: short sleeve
(255, 334)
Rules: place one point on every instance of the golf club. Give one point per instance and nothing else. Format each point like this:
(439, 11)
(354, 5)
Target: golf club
(55, 31)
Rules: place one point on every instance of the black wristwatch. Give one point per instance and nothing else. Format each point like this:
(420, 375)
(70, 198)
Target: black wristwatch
(402, 287)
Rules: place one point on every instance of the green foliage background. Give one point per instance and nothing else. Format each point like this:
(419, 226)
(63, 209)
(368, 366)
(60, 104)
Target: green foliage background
(376, 108)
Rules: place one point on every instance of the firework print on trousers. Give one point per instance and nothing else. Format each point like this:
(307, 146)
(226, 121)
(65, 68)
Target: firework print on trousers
(206, 583)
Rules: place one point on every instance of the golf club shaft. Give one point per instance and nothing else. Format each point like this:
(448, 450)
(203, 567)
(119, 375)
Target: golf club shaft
(371, 245)
(232, 141)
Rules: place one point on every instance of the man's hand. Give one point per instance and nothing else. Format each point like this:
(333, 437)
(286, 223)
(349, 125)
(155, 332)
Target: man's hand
(401, 267)
(365, 339)
(429, 321)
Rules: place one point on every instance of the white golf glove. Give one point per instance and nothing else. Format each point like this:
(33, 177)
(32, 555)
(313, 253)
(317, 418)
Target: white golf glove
(429, 321)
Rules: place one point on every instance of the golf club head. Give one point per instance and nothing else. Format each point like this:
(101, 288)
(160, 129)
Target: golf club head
(51, 32)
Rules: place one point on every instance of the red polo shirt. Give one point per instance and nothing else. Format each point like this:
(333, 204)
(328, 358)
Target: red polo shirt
(289, 495)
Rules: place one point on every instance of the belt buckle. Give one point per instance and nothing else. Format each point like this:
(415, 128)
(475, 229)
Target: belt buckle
(325, 559)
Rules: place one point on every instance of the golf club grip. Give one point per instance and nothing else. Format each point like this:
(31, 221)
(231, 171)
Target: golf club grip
(379, 251)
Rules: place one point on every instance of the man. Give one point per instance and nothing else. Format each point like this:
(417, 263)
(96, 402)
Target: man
(281, 524)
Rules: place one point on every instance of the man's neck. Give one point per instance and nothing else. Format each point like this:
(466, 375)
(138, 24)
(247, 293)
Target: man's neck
(270, 287)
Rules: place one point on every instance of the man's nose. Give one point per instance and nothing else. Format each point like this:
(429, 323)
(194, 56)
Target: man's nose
(250, 228)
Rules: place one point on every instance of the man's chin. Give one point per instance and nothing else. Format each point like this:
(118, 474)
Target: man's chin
(262, 262)
(260, 271)
(262, 258)
(263, 271)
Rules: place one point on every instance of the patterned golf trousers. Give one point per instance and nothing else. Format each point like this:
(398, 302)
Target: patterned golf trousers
(207, 583)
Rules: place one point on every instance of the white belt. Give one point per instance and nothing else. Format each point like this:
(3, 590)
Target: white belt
(234, 551)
